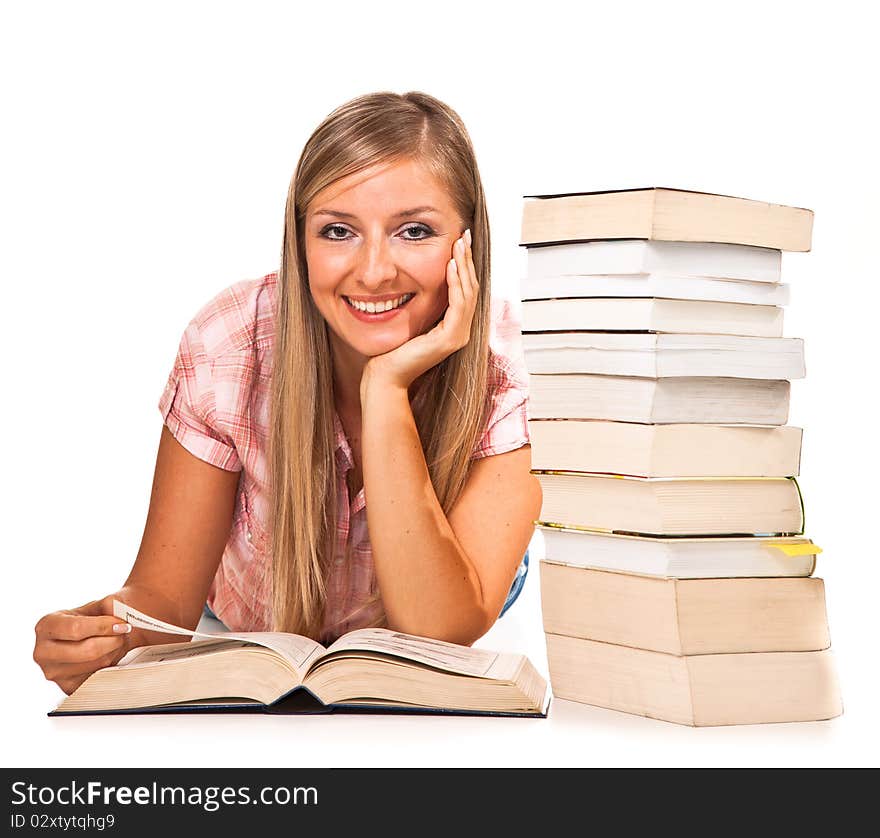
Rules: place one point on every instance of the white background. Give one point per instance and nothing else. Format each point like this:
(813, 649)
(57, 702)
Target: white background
(147, 151)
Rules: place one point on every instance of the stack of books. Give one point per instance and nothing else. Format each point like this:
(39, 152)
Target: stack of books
(677, 583)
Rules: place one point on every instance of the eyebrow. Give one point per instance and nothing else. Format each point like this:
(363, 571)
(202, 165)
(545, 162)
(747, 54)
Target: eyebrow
(402, 214)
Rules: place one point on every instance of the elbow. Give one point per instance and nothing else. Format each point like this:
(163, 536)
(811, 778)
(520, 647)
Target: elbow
(536, 495)
(465, 634)
(464, 630)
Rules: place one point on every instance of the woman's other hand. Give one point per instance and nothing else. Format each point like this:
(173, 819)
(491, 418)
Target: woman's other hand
(72, 644)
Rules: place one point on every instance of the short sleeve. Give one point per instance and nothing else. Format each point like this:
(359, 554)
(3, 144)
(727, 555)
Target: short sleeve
(507, 427)
(188, 404)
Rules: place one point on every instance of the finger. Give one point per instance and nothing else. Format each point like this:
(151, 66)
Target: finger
(96, 608)
(65, 669)
(459, 319)
(453, 278)
(455, 314)
(79, 651)
(77, 672)
(70, 685)
(471, 269)
(470, 287)
(65, 625)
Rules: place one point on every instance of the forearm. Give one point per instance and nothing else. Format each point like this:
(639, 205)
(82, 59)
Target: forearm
(428, 585)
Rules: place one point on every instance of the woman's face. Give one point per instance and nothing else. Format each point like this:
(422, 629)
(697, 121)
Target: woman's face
(377, 246)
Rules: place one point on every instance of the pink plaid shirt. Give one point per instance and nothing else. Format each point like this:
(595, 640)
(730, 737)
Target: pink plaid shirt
(216, 404)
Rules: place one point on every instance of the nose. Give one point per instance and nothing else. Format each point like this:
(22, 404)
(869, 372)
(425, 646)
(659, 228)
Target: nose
(377, 265)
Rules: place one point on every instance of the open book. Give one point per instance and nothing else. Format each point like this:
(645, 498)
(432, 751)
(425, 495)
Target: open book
(276, 672)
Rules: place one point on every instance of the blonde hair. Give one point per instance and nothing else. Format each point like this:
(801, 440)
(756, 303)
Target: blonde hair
(450, 404)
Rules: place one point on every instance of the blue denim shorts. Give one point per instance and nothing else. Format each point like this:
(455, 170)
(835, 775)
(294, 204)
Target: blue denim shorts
(518, 582)
(515, 589)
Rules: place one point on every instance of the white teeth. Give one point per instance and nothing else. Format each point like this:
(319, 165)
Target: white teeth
(373, 308)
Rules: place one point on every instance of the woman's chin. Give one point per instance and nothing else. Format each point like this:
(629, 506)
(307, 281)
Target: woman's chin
(369, 346)
(375, 348)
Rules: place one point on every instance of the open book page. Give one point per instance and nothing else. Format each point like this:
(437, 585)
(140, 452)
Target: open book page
(176, 651)
(451, 657)
(299, 651)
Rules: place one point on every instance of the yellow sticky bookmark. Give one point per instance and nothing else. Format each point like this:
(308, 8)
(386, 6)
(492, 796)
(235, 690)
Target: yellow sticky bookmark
(796, 549)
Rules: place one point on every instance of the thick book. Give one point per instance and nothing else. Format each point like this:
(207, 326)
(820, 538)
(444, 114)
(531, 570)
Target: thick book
(685, 616)
(651, 315)
(661, 258)
(656, 285)
(368, 670)
(696, 690)
(674, 450)
(682, 558)
(663, 214)
(678, 399)
(662, 355)
(672, 506)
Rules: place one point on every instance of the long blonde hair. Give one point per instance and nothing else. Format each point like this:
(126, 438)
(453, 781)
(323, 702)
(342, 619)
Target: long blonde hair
(450, 406)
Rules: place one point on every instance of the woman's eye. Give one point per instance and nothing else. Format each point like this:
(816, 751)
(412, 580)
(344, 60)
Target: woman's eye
(418, 228)
(334, 227)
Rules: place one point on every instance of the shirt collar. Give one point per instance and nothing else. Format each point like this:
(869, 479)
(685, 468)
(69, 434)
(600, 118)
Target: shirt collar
(343, 449)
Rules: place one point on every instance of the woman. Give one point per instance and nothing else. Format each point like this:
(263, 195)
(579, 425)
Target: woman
(360, 372)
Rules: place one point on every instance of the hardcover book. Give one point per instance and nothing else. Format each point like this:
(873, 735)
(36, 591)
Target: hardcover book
(675, 399)
(663, 214)
(674, 450)
(276, 672)
(661, 258)
(608, 314)
(661, 355)
(705, 557)
(697, 690)
(672, 506)
(656, 285)
(685, 616)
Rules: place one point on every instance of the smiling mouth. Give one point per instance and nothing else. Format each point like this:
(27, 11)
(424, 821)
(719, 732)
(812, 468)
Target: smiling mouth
(378, 307)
